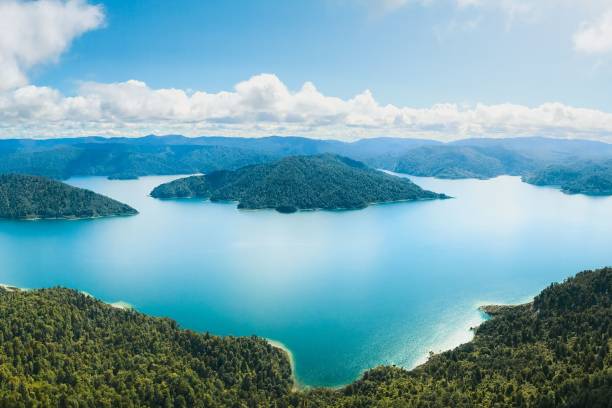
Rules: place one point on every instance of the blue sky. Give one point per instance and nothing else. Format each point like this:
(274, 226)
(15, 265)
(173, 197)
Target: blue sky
(410, 56)
(528, 62)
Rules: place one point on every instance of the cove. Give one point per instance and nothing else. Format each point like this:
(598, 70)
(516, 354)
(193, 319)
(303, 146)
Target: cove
(344, 291)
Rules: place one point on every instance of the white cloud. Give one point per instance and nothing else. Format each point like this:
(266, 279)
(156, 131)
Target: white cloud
(595, 36)
(35, 32)
(264, 105)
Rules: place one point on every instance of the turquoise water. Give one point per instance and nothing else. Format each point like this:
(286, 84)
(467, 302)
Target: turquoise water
(344, 291)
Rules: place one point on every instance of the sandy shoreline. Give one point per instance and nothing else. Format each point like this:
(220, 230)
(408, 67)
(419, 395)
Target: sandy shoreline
(287, 351)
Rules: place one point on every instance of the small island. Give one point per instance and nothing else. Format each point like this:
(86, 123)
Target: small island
(589, 178)
(295, 183)
(34, 197)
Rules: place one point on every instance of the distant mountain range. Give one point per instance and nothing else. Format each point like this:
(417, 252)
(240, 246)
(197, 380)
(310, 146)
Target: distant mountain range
(299, 183)
(162, 155)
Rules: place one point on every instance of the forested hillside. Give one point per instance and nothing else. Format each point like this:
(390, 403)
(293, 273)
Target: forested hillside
(554, 352)
(298, 183)
(28, 197)
(62, 348)
(121, 157)
(457, 162)
(591, 178)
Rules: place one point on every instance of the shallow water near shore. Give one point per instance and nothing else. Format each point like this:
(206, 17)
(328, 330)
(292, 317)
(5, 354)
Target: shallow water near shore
(343, 291)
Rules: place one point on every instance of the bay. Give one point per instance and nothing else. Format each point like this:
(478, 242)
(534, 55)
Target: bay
(344, 291)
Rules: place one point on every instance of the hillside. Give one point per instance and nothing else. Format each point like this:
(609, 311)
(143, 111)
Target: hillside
(122, 157)
(299, 183)
(32, 197)
(63, 348)
(458, 161)
(591, 178)
(553, 352)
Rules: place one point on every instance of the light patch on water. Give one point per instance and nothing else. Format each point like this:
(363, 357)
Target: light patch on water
(447, 337)
(11, 288)
(121, 305)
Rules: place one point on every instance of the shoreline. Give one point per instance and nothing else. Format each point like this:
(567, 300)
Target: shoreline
(69, 218)
(120, 304)
(487, 310)
(278, 345)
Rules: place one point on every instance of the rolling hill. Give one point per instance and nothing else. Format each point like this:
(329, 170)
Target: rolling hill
(299, 183)
(34, 197)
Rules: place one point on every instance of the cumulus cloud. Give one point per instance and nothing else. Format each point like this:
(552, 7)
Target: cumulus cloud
(595, 36)
(264, 105)
(35, 32)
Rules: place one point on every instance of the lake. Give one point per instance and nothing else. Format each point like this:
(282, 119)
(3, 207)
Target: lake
(344, 291)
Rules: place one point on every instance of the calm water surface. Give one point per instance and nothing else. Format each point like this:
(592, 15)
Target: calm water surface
(345, 291)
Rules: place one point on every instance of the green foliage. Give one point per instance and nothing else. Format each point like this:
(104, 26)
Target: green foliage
(118, 158)
(132, 157)
(187, 187)
(298, 183)
(554, 352)
(60, 348)
(591, 178)
(24, 197)
(458, 161)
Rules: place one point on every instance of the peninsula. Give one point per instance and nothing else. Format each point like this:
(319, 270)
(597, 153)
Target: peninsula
(34, 197)
(589, 178)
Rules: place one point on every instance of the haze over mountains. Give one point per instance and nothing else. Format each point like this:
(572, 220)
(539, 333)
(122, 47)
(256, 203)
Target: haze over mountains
(174, 154)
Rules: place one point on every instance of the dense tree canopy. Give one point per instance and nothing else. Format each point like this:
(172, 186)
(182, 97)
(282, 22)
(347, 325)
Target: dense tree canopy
(553, 352)
(26, 197)
(62, 348)
(299, 182)
(65, 349)
(591, 178)
(458, 161)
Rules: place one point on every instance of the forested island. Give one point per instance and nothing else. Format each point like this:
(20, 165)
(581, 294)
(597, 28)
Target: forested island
(34, 197)
(299, 183)
(590, 178)
(62, 348)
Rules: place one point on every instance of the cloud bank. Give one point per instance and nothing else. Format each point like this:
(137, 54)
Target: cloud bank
(264, 105)
(36, 32)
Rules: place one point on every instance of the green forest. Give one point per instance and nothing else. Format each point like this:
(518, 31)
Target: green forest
(299, 183)
(33, 197)
(62, 348)
(591, 178)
